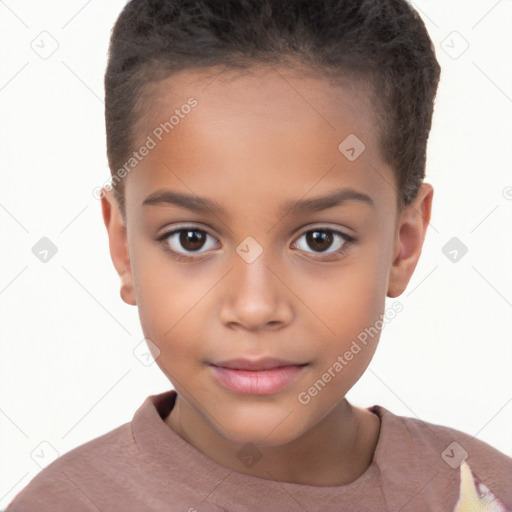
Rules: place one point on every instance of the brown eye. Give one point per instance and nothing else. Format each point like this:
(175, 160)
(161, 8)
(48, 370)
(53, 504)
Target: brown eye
(186, 241)
(319, 239)
(192, 239)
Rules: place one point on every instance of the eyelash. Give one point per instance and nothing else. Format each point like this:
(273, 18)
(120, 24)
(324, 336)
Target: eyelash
(335, 255)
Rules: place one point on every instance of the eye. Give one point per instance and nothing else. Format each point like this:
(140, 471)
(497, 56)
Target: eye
(189, 238)
(322, 238)
(184, 242)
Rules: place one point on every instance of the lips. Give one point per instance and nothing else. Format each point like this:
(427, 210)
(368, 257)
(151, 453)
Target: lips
(256, 377)
(267, 363)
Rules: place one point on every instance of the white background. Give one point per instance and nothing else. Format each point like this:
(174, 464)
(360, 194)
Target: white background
(68, 372)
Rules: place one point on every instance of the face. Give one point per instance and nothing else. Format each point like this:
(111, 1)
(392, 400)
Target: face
(250, 276)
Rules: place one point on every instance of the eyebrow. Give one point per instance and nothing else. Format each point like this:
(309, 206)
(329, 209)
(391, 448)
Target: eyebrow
(293, 207)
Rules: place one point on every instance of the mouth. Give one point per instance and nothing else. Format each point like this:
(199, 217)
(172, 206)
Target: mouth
(262, 378)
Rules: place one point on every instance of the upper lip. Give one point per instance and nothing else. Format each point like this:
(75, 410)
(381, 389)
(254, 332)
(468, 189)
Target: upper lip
(266, 363)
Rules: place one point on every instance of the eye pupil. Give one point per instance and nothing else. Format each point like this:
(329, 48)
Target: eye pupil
(190, 240)
(318, 238)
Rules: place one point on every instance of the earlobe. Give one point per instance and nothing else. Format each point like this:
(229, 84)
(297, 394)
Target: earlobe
(411, 230)
(127, 293)
(118, 244)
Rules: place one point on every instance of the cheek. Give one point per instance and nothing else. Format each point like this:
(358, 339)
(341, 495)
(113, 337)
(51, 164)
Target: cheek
(349, 302)
(169, 301)
(348, 298)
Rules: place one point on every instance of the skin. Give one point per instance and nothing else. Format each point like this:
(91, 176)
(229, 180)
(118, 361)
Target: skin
(253, 142)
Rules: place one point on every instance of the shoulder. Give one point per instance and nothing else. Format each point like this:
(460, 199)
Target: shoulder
(80, 479)
(457, 446)
(444, 453)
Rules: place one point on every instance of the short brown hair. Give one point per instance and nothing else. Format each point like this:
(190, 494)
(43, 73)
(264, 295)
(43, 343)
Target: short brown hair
(383, 42)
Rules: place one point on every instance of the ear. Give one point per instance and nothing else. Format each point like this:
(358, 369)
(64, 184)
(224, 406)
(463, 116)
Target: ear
(116, 229)
(410, 233)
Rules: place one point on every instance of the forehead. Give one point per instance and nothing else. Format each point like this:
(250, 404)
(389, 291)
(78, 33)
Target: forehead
(266, 128)
(263, 92)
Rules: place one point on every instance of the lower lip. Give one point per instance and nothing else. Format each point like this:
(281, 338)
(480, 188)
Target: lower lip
(263, 382)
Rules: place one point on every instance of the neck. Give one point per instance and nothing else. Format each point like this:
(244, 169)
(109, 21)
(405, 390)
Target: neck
(335, 451)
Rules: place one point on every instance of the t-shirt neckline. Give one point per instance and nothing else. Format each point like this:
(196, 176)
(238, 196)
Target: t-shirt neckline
(163, 444)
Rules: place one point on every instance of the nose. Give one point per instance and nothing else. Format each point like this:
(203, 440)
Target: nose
(255, 297)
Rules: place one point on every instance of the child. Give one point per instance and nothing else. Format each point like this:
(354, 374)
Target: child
(240, 135)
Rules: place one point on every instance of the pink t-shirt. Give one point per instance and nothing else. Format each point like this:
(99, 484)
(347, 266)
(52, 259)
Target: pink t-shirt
(144, 465)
